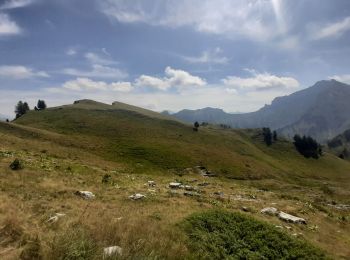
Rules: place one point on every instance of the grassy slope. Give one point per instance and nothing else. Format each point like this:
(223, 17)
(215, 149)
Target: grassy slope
(72, 147)
(120, 134)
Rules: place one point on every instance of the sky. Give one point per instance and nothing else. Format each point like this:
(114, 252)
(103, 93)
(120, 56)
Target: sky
(237, 55)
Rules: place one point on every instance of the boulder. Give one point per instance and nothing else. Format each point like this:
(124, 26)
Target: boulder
(85, 194)
(290, 218)
(175, 185)
(112, 251)
(137, 196)
(270, 211)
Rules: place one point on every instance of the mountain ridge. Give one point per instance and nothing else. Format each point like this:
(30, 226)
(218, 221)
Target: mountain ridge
(298, 113)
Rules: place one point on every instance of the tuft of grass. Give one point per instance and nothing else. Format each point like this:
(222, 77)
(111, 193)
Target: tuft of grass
(32, 250)
(76, 243)
(218, 234)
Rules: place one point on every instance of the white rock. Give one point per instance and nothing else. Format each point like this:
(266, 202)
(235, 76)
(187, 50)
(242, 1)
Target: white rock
(279, 227)
(85, 194)
(290, 218)
(151, 183)
(55, 218)
(112, 251)
(174, 185)
(188, 187)
(270, 211)
(137, 196)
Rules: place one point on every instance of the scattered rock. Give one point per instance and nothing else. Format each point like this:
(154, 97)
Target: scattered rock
(203, 184)
(55, 218)
(270, 211)
(137, 196)
(204, 172)
(290, 218)
(219, 193)
(191, 194)
(313, 228)
(244, 198)
(187, 187)
(245, 209)
(112, 251)
(151, 183)
(85, 194)
(175, 185)
(339, 206)
(279, 227)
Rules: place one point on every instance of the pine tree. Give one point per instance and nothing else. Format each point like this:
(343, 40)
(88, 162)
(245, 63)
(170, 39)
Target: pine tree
(41, 105)
(267, 136)
(195, 126)
(21, 108)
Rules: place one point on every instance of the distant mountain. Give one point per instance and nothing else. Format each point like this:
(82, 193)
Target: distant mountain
(321, 111)
(340, 145)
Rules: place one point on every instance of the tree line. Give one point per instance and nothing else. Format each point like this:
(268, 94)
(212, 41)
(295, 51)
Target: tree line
(22, 107)
(307, 146)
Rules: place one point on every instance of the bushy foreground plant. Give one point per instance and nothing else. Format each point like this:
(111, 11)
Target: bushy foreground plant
(76, 244)
(224, 235)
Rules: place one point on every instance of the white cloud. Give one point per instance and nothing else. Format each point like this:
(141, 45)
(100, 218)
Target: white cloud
(20, 72)
(345, 78)
(95, 58)
(98, 71)
(71, 51)
(255, 19)
(260, 82)
(209, 56)
(173, 79)
(152, 82)
(121, 86)
(7, 26)
(86, 84)
(331, 30)
(11, 4)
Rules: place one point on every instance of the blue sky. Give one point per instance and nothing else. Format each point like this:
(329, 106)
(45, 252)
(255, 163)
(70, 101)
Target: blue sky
(162, 54)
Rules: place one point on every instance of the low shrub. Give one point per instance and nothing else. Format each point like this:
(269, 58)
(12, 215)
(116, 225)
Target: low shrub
(16, 165)
(219, 234)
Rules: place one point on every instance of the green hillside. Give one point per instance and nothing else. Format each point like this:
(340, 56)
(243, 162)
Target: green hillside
(123, 133)
(340, 145)
(113, 150)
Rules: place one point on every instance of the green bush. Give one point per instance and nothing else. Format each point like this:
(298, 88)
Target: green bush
(16, 165)
(220, 234)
